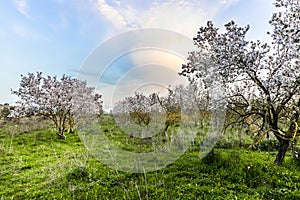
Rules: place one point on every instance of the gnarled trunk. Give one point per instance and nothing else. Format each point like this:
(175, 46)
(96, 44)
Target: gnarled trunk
(283, 147)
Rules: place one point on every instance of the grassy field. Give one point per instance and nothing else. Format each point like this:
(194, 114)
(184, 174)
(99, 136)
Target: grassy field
(37, 165)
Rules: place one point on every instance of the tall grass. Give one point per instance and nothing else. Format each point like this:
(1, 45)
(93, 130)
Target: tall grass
(37, 165)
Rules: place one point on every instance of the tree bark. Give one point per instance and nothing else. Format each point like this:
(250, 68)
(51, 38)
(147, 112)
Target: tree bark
(283, 147)
(60, 133)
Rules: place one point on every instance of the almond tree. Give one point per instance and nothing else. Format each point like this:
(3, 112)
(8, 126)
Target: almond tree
(261, 81)
(137, 108)
(57, 99)
(182, 101)
(139, 115)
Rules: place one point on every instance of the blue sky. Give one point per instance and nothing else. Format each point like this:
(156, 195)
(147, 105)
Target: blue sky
(56, 36)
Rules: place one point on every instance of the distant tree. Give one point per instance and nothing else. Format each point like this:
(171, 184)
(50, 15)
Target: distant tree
(5, 111)
(57, 99)
(183, 103)
(139, 114)
(172, 104)
(158, 112)
(139, 108)
(260, 81)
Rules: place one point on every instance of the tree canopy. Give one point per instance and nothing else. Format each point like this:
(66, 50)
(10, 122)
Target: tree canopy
(57, 99)
(260, 80)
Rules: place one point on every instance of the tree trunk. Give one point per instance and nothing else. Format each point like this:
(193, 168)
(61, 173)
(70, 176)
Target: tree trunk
(283, 147)
(60, 133)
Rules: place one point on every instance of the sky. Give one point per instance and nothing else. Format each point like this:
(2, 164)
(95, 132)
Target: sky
(57, 36)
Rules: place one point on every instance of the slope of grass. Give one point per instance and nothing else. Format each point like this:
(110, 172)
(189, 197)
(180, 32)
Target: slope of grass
(37, 165)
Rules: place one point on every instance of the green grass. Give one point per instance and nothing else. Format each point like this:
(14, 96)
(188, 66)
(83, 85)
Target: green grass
(37, 165)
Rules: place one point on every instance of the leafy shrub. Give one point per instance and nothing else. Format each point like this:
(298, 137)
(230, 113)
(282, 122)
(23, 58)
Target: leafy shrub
(227, 144)
(267, 145)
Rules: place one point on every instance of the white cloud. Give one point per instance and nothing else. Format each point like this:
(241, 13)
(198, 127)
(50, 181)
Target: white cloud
(22, 7)
(184, 16)
(112, 15)
(228, 2)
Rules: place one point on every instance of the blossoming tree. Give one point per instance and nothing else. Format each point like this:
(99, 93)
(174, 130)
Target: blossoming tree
(261, 81)
(57, 99)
